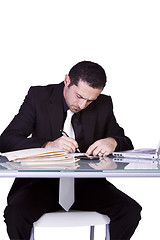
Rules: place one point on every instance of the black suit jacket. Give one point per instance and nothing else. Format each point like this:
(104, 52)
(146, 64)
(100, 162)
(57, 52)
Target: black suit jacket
(42, 116)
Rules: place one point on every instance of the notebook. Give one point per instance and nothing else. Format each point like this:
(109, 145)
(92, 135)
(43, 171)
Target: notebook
(143, 153)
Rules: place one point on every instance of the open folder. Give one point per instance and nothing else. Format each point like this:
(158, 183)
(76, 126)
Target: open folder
(40, 156)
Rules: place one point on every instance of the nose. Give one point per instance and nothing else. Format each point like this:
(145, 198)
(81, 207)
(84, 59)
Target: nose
(83, 104)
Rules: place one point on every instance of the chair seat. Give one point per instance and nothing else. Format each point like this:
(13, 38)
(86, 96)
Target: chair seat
(71, 218)
(49, 221)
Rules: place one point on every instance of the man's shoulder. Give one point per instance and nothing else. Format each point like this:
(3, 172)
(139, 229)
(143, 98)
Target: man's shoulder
(45, 91)
(104, 99)
(46, 88)
(102, 103)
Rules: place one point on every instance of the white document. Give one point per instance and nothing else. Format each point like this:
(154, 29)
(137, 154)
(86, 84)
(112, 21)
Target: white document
(40, 158)
(40, 153)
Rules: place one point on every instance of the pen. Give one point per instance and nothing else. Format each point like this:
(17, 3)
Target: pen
(65, 134)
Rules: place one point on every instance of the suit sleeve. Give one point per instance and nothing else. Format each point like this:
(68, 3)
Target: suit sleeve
(17, 135)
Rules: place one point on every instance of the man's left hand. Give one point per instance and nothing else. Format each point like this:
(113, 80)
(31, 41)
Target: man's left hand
(102, 147)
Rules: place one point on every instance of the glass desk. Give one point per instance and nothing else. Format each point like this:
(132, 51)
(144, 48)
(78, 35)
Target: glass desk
(105, 167)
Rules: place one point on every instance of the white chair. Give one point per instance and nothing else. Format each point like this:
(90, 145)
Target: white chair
(71, 219)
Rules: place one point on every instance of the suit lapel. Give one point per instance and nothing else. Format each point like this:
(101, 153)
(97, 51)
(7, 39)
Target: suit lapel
(89, 123)
(55, 110)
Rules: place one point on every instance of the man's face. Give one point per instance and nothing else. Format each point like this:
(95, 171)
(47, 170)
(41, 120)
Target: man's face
(79, 97)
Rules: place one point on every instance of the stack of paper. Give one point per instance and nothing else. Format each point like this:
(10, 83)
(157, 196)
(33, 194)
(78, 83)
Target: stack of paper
(41, 157)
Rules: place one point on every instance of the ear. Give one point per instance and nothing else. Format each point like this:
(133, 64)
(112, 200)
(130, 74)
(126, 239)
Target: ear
(67, 80)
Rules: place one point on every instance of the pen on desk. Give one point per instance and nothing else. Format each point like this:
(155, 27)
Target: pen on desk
(65, 134)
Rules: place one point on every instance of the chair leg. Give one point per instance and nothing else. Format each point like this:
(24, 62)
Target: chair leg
(91, 232)
(107, 232)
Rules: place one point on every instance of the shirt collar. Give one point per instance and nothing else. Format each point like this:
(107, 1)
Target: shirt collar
(65, 106)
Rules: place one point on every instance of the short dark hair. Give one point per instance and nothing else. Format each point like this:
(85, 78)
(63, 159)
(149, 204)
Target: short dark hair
(89, 72)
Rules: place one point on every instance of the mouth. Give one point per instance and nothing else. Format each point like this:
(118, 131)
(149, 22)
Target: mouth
(75, 109)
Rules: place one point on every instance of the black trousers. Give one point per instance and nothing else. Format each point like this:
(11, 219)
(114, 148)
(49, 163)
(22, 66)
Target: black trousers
(28, 205)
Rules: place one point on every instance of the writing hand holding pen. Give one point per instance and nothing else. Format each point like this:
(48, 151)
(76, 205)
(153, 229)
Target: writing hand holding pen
(65, 134)
(64, 143)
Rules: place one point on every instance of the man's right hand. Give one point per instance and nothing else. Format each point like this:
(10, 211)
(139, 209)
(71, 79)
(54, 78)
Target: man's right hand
(64, 143)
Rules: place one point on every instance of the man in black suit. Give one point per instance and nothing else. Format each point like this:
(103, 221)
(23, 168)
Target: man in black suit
(42, 116)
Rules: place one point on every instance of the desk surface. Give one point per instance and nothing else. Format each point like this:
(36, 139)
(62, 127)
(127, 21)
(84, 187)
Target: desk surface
(105, 167)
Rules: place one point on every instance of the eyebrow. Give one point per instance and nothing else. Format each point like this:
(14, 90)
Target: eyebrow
(89, 100)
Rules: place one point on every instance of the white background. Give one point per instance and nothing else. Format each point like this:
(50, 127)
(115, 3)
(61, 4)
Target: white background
(41, 40)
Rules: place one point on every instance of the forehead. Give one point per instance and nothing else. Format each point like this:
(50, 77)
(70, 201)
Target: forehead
(85, 91)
